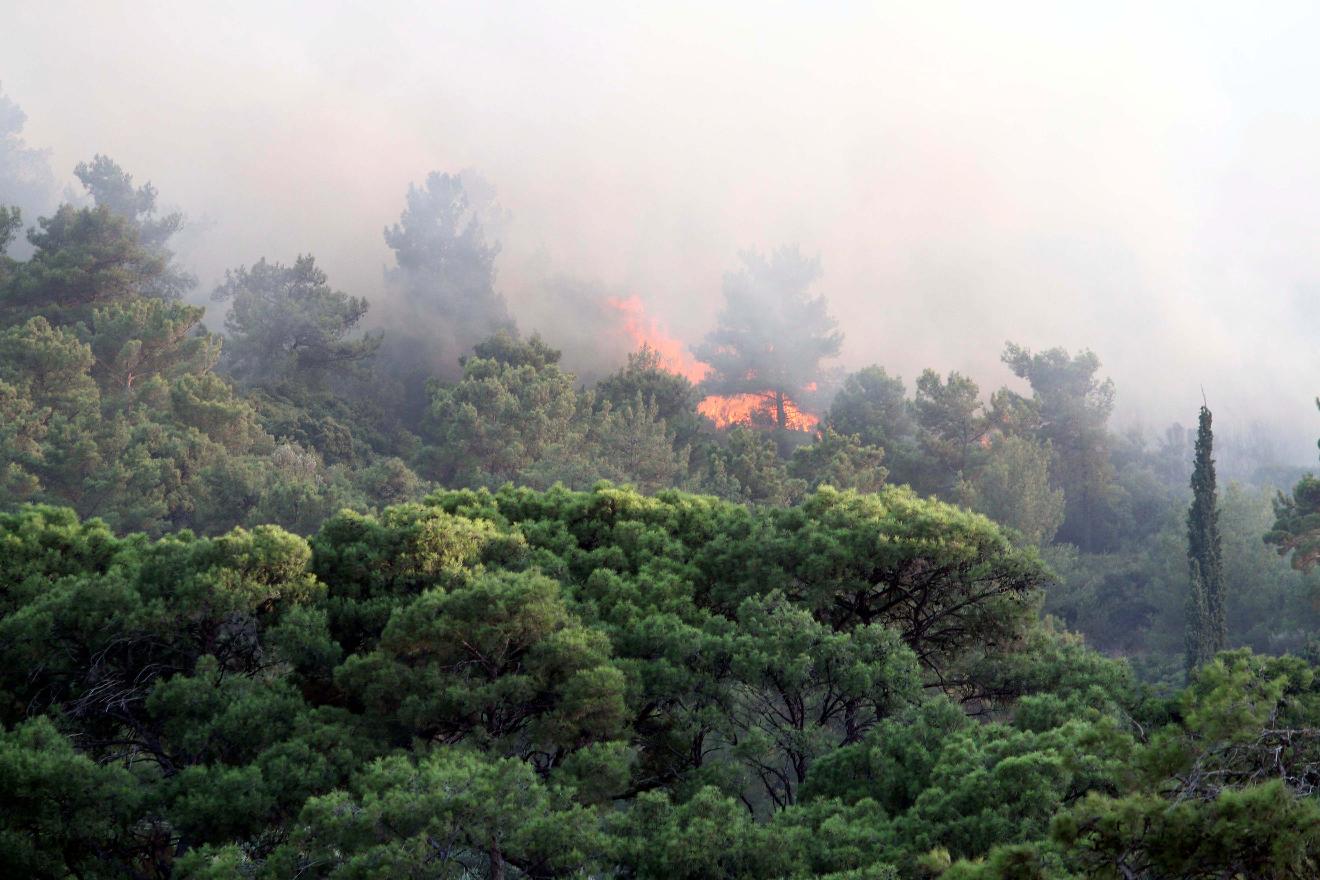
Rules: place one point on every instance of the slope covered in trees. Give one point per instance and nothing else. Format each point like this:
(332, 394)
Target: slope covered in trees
(119, 401)
(316, 597)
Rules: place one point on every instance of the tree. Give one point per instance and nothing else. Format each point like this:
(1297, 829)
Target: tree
(673, 396)
(445, 275)
(544, 684)
(1207, 627)
(631, 444)
(65, 814)
(500, 660)
(50, 407)
(512, 350)
(952, 425)
(1226, 792)
(288, 325)
(1014, 488)
(450, 814)
(1073, 408)
(772, 334)
(806, 689)
(25, 176)
(707, 835)
(746, 467)
(146, 337)
(861, 559)
(83, 259)
(11, 221)
(512, 405)
(111, 187)
(873, 405)
(839, 461)
(1198, 647)
(1296, 528)
(119, 415)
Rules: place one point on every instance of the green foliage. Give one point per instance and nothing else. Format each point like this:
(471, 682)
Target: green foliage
(1296, 529)
(952, 421)
(108, 401)
(137, 340)
(62, 808)
(854, 557)
(746, 467)
(555, 683)
(503, 415)
(631, 444)
(11, 221)
(1133, 601)
(111, 187)
(643, 379)
(130, 426)
(1014, 488)
(806, 673)
(286, 324)
(839, 461)
(1072, 407)
(807, 689)
(709, 835)
(873, 405)
(1263, 831)
(449, 814)
(82, 259)
(1207, 629)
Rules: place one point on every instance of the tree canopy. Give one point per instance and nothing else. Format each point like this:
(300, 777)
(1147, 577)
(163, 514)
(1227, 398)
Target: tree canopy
(287, 324)
(544, 684)
(319, 597)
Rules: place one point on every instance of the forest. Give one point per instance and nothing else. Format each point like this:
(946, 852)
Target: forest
(322, 590)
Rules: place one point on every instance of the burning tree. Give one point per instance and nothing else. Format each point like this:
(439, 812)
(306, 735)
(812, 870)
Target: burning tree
(766, 349)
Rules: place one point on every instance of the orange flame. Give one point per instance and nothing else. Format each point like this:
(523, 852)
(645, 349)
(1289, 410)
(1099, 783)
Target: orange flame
(645, 330)
(758, 409)
(723, 410)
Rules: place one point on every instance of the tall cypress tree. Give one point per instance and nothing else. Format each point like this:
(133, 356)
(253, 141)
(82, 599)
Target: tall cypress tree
(1198, 649)
(1206, 627)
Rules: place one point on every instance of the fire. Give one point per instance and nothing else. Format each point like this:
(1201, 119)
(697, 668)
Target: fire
(748, 409)
(723, 410)
(645, 330)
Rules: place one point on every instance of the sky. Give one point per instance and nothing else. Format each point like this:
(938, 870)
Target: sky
(1137, 179)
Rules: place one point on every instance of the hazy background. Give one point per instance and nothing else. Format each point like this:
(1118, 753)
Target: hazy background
(1141, 179)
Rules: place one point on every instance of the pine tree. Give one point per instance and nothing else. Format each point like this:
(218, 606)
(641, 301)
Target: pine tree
(1207, 631)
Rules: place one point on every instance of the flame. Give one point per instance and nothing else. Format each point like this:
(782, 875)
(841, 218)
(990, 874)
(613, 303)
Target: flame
(754, 409)
(645, 330)
(723, 410)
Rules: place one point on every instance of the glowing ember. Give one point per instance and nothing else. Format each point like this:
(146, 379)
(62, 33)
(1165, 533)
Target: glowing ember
(723, 410)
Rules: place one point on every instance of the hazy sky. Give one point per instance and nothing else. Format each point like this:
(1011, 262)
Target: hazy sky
(1141, 179)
